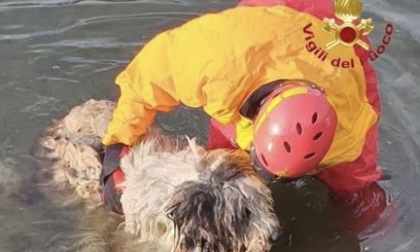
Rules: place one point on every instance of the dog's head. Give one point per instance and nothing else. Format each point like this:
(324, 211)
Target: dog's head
(228, 209)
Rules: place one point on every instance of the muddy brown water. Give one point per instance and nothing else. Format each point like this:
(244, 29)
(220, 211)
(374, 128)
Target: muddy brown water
(55, 54)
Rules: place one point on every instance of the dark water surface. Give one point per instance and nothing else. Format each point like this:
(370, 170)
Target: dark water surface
(55, 54)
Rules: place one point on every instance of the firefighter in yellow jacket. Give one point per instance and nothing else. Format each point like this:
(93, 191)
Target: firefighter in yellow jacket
(249, 68)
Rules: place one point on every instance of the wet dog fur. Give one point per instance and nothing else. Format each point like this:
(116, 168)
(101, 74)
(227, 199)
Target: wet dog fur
(177, 196)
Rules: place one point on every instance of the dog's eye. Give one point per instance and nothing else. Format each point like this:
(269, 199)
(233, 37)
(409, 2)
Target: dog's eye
(207, 248)
(248, 213)
(170, 215)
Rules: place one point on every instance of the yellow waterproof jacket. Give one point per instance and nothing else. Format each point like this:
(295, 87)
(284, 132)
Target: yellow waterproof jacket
(217, 60)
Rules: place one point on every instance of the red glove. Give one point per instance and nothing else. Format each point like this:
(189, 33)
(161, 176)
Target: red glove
(118, 175)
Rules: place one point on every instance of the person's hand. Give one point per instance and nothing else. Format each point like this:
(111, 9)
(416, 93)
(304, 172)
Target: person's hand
(112, 176)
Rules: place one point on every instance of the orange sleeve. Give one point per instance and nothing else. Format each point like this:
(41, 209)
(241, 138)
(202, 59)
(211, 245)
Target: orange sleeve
(146, 87)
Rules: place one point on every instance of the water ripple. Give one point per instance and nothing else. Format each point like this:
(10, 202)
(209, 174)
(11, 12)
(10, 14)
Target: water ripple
(94, 20)
(38, 3)
(86, 43)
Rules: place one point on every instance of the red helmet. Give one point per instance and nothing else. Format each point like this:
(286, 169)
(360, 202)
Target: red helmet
(294, 130)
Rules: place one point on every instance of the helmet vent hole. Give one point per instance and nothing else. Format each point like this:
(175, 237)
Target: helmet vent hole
(299, 128)
(264, 161)
(317, 136)
(287, 147)
(308, 156)
(314, 117)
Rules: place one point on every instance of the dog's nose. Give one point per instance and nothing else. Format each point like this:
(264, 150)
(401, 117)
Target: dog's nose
(275, 235)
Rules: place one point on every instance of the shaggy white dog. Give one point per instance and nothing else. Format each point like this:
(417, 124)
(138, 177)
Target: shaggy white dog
(177, 196)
